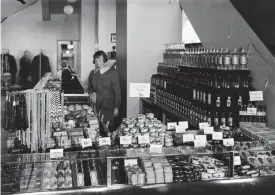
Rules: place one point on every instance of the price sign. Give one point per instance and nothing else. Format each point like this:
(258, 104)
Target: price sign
(86, 142)
(155, 148)
(217, 136)
(171, 126)
(228, 142)
(199, 143)
(237, 160)
(183, 125)
(103, 141)
(256, 96)
(143, 139)
(251, 111)
(178, 130)
(125, 140)
(208, 130)
(130, 162)
(200, 137)
(188, 138)
(57, 153)
(202, 125)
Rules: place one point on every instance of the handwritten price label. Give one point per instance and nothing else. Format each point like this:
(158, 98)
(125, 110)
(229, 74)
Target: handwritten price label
(256, 96)
(130, 162)
(202, 125)
(57, 153)
(188, 138)
(125, 140)
(217, 136)
(172, 126)
(208, 130)
(103, 141)
(183, 125)
(228, 142)
(86, 142)
(237, 160)
(199, 143)
(143, 139)
(155, 148)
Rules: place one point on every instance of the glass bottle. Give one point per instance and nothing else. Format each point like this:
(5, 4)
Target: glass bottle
(218, 101)
(227, 59)
(209, 118)
(235, 59)
(243, 59)
(228, 101)
(216, 120)
(220, 59)
(223, 119)
(230, 119)
(93, 173)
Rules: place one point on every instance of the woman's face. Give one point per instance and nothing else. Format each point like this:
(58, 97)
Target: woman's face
(99, 62)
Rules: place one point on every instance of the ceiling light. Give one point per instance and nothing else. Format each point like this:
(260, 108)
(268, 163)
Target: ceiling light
(68, 9)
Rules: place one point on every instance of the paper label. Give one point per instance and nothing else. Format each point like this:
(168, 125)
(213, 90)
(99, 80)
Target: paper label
(57, 153)
(256, 96)
(155, 148)
(237, 160)
(228, 142)
(171, 126)
(178, 130)
(188, 138)
(183, 125)
(86, 142)
(202, 125)
(251, 111)
(140, 90)
(130, 162)
(200, 137)
(143, 139)
(217, 136)
(103, 141)
(208, 130)
(125, 140)
(199, 143)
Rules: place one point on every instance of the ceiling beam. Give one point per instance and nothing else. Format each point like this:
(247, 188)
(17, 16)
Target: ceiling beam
(46, 16)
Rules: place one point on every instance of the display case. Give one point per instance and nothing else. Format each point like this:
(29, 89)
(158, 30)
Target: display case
(175, 169)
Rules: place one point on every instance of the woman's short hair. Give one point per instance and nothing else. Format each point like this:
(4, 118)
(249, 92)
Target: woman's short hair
(100, 53)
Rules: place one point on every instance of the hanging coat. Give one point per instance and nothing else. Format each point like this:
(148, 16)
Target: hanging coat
(10, 67)
(25, 70)
(45, 67)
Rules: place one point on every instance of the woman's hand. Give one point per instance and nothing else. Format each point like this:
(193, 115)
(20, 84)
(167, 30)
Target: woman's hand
(115, 112)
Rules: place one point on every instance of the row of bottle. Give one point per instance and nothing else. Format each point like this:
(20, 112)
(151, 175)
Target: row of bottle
(215, 58)
(194, 113)
(198, 94)
(255, 115)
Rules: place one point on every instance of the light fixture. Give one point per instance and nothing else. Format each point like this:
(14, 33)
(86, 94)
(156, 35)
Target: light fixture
(68, 9)
(71, 1)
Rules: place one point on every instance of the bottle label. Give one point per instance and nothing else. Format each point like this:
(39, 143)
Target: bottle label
(80, 179)
(201, 96)
(198, 95)
(226, 60)
(222, 121)
(261, 113)
(204, 97)
(235, 60)
(243, 60)
(230, 121)
(209, 98)
(240, 102)
(209, 121)
(194, 94)
(164, 85)
(220, 60)
(93, 176)
(228, 103)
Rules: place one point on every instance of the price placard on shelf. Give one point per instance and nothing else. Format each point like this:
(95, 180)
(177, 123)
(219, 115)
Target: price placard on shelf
(200, 137)
(125, 140)
(155, 148)
(188, 138)
(217, 136)
(199, 143)
(202, 125)
(140, 89)
(237, 160)
(103, 141)
(143, 139)
(172, 126)
(228, 142)
(208, 130)
(86, 142)
(183, 125)
(130, 162)
(251, 111)
(256, 96)
(57, 153)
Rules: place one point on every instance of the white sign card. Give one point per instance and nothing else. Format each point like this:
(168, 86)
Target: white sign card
(57, 153)
(188, 138)
(199, 143)
(251, 111)
(86, 142)
(143, 139)
(130, 162)
(140, 90)
(103, 141)
(202, 125)
(183, 125)
(217, 136)
(256, 96)
(200, 137)
(155, 148)
(208, 130)
(125, 140)
(237, 160)
(172, 126)
(228, 142)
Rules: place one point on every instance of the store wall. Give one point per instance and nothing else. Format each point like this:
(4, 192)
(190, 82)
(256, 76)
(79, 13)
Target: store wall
(218, 24)
(26, 30)
(106, 24)
(150, 25)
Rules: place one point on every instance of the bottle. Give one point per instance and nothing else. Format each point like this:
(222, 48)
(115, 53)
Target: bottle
(216, 120)
(223, 119)
(227, 59)
(209, 119)
(220, 59)
(240, 101)
(230, 119)
(209, 96)
(228, 101)
(243, 59)
(93, 173)
(235, 59)
(218, 101)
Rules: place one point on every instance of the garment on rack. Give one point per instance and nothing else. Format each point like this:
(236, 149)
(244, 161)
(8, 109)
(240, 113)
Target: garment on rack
(8, 65)
(25, 70)
(45, 67)
(15, 115)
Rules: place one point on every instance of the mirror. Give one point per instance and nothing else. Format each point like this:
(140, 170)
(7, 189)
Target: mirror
(68, 55)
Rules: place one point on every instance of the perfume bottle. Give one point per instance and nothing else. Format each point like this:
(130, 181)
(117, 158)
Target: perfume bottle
(228, 101)
(218, 101)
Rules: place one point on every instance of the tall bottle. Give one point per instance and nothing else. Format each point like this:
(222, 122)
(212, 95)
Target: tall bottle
(93, 173)
(227, 59)
(243, 59)
(235, 59)
(220, 59)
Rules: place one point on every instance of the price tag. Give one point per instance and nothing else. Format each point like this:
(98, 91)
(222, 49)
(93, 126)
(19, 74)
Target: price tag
(57, 153)
(172, 126)
(237, 160)
(178, 130)
(256, 96)
(103, 141)
(208, 130)
(202, 125)
(130, 162)
(125, 140)
(217, 136)
(183, 125)
(199, 143)
(200, 137)
(225, 128)
(155, 148)
(188, 138)
(228, 142)
(143, 139)
(251, 111)
(86, 142)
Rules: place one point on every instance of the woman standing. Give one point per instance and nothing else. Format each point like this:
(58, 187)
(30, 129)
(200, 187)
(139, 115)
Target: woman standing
(104, 89)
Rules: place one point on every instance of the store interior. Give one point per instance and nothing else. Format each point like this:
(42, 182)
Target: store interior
(203, 60)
